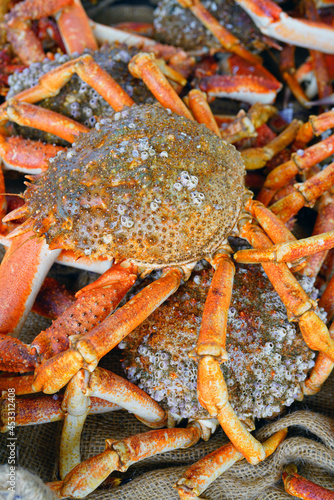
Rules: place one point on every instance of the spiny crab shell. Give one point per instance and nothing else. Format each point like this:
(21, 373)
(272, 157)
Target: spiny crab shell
(145, 185)
(268, 358)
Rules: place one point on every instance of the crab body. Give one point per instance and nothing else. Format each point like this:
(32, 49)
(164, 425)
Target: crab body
(145, 185)
(267, 357)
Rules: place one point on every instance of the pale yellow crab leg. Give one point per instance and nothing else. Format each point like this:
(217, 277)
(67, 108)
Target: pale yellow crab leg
(88, 350)
(107, 386)
(200, 475)
(273, 22)
(119, 455)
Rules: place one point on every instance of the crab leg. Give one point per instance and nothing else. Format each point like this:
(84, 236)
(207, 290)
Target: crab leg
(304, 194)
(287, 252)
(72, 20)
(246, 88)
(94, 303)
(107, 386)
(87, 351)
(25, 155)
(320, 372)
(198, 104)
(256, 158)
(45, 409)
(119, 455)
(200, 475)
(17, 296)
(275, 23)
(228, 41)
(144, 66)
(300, 161)
(245, 125)
(210, 352)
(298, 486)
(89, 71)
(299, 306)
(323, 224)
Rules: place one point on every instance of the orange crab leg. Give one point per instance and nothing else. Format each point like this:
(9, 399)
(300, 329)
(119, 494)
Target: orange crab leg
(210, 352)
(30, 115)
(89, 71)
(25, 155)
(287, 252)
(245, 125)
(87, 351)
(228, 41)
(105, 385)
(320, 372)
(119, 455)
(287, 68)
(299, 306)
(304, 194)
(198, 104)
(315, 126)
(94, 303)
(275, 23)
(22, 385)
(323, 224)
(74, 26)
(144, 66)
(299, 162)
(247, 88)
(45, 409)
(300, 487)
(17, 296)
(72, 20)
(200, 475)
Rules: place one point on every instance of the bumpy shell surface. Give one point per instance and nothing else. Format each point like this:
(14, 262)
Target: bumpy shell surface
(268, 358)
(146, 185)
(178, 26)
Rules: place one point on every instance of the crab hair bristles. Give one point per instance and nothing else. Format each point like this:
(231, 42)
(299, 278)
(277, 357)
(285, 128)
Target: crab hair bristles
(23, 228)
(18, 213)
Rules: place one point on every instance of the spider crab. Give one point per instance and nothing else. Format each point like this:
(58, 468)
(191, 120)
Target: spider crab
(149, 189)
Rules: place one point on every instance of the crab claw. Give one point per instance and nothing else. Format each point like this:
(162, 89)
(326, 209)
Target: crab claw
(275, 23)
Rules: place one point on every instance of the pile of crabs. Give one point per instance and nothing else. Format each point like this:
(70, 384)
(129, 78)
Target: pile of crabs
(189, 215)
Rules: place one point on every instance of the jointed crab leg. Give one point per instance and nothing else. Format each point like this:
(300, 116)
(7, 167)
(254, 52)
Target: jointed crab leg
(45, 409)
(228, 41)
(320, 372)
(89, 71)
(300, 487)
(119, 455)
(198, 104)
(72, 21)
(275, 23)
(200, 475)
(299, 306)
(87, 351)
(94, 303)
(107, 386)
(304, 194)
(210, 352)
